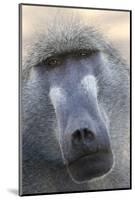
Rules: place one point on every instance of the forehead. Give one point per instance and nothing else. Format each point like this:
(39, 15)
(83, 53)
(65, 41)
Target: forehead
(61, 36)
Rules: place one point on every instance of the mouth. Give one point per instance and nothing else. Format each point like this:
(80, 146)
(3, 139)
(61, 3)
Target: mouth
(90, 166)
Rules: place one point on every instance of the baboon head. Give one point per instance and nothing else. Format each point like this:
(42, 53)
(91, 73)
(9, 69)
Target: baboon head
(70, 84)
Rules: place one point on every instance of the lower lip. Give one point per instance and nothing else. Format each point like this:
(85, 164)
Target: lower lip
(90, 166)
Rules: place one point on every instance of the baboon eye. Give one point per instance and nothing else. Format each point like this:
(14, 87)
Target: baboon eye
(85, 53)
(53, 61)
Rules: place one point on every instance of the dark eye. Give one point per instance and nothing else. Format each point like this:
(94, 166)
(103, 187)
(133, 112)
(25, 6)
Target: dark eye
(53, 61)
(85, 53)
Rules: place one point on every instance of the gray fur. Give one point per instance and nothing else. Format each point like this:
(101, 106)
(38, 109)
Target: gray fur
(44, 169)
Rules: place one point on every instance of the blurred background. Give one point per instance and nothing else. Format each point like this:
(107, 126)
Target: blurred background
(115, 25)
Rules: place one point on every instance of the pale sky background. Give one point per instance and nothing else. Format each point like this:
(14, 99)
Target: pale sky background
(115, 25)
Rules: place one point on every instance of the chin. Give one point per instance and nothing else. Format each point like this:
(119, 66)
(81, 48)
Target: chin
(88, 167)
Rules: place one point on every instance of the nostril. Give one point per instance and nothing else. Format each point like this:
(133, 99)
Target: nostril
(89, 135)
(76, 136)
(82, 136)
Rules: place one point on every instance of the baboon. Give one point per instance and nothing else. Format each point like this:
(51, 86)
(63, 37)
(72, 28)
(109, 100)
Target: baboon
(74, 111)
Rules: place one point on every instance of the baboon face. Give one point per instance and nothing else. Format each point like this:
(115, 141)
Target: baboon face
(83, 127)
